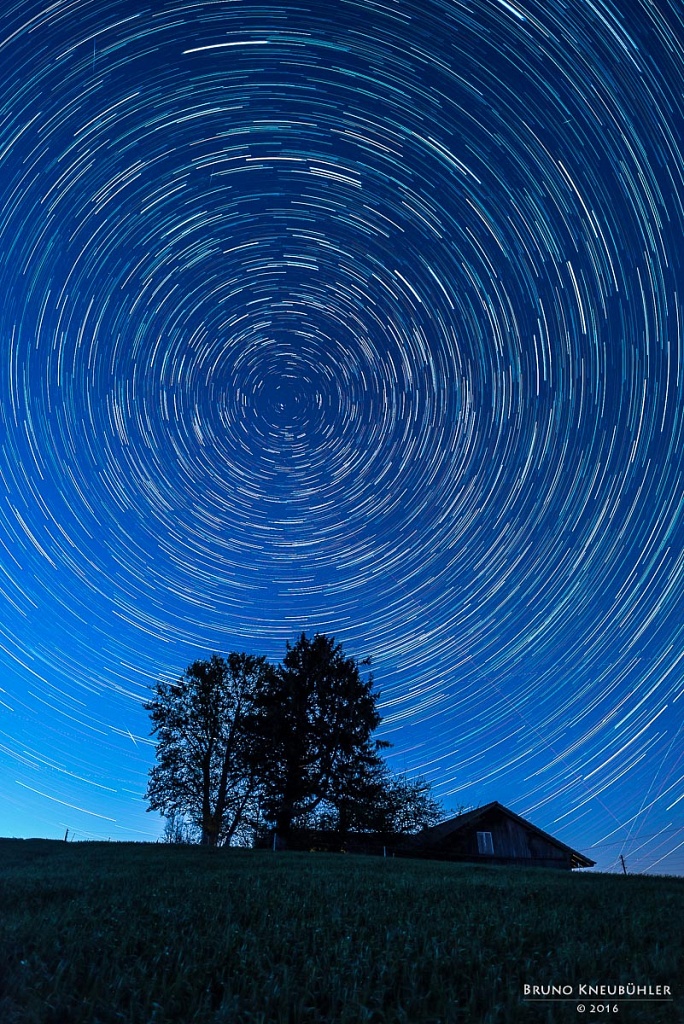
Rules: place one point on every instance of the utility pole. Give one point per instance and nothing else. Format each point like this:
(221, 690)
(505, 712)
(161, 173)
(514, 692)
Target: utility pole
(624, 866)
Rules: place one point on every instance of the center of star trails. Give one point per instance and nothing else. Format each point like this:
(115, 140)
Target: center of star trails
(287, 400)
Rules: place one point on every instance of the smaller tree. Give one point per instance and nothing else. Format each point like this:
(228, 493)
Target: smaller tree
(177, 831)
(409, 805)
(378, 801)
(206, 768)
(383, 802)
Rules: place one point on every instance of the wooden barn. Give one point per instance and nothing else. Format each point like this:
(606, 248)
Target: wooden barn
(492, 834)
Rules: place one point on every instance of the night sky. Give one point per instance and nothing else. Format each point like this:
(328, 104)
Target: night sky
(363, 318)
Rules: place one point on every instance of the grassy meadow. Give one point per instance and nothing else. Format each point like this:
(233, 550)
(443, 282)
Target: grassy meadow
(154, 934)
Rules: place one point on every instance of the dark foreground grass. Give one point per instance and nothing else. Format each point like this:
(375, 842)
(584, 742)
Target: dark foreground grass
(152, 934)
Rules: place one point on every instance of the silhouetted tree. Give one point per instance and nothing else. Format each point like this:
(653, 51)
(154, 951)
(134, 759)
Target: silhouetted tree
(314, 725)
(237, 737)
(177, 830)
(409, 806)
(206, 768)
(380, 801)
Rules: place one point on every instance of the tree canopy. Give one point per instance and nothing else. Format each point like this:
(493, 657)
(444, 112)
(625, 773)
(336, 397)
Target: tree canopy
(203, 723)
(316, 718)
(242, 743)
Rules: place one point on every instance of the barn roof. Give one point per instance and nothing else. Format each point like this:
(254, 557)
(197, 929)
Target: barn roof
(446, 829)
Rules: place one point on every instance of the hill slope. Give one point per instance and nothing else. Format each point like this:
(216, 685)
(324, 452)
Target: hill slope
(137, 933)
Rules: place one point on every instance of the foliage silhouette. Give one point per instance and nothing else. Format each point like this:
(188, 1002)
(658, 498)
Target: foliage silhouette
(243, 744)
(316, 716)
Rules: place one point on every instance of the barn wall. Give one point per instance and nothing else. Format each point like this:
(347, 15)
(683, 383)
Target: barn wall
(512, 841)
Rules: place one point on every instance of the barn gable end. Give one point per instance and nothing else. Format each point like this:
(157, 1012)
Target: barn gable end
(493, 834)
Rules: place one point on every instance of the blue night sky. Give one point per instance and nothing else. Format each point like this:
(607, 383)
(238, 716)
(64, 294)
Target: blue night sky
(354, 317)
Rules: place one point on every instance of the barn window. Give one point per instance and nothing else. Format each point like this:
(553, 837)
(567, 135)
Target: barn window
(484, 842)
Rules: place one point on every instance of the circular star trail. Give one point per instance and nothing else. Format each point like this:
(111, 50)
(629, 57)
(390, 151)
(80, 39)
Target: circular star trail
(361, 318)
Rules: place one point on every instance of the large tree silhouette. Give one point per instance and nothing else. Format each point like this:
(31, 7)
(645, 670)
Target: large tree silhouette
(315, 718)
(206, 768)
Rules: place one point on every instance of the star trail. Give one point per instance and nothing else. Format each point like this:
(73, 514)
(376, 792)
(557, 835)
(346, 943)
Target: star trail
(352, 317)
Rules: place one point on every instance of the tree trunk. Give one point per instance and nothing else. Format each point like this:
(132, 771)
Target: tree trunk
(284, 819)
(208, 825)
(209, 832)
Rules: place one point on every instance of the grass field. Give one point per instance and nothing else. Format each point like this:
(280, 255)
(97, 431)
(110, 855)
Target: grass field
(153, 934)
